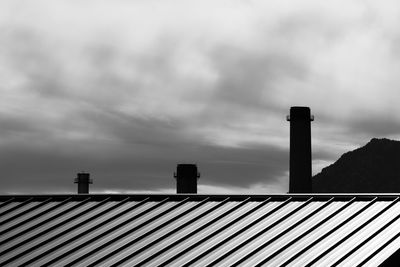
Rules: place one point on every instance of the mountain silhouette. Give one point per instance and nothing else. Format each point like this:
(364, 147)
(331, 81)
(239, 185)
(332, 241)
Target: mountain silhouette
(373, 168)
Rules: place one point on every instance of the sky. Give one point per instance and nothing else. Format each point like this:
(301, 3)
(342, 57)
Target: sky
(126, 90)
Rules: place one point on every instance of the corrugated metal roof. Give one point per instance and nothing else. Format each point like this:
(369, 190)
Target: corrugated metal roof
(202, 230)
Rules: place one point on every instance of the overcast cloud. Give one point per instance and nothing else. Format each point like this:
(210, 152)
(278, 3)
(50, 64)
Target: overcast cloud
(128, 89)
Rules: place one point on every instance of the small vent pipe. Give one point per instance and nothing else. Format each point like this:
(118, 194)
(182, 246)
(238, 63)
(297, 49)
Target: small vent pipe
(186, 178)
(83, 180)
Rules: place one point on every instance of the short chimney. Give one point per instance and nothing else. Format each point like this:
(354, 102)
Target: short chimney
(83, 180)
(300, 150)
(186, 178)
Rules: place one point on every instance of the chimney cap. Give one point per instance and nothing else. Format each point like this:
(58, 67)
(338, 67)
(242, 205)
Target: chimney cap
(83, 177)
(185, 167)
(300, 113)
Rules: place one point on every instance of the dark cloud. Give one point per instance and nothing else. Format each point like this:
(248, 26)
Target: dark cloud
(247, 79)
(134, 163)
(324, 154)
(363, 124)
(127, 91)
(374, 125)
(14, 125)
(245, 166)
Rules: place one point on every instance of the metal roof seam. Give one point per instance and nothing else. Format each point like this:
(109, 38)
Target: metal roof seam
(137, 239)
(171, 232)
(40, 224)
(362, 226)
(339, 226)
(72, 228)
(95, 227)
(5, 203)
(146, 211)
(215, 232)
(75, 261)
(204, 226)
(325, 252)
(265, 260)
(45, 232)
(187, 230)
(24, 212)
(232, 250)
(383, 246)
(198, 257)
(333, 214)
(14, 226)
(168, 222)
(130, 231)
(253, 252)
(15, 208)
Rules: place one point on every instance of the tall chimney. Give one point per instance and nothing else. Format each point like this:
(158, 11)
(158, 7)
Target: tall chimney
(83, 180)
(300, 150)
(186, 178)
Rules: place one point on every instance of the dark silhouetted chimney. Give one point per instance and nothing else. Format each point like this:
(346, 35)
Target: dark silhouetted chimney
(300, 150)
(83, 180)
(186, 178)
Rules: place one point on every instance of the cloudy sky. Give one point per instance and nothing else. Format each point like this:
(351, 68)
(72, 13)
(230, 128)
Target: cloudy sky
(126, 90)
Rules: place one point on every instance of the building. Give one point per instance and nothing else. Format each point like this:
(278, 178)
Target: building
(198, 230)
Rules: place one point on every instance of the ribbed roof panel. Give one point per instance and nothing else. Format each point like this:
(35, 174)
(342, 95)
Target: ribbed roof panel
(199, 230)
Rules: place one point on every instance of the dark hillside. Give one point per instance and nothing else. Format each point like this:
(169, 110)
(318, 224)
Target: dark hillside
(373, 168)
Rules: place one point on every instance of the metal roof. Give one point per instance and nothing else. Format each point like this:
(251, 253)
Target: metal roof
(202, 230)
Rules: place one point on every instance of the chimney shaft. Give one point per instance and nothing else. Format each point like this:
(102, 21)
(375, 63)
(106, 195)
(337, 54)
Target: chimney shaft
(83, 180)
(300, 150)
(186, 179)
